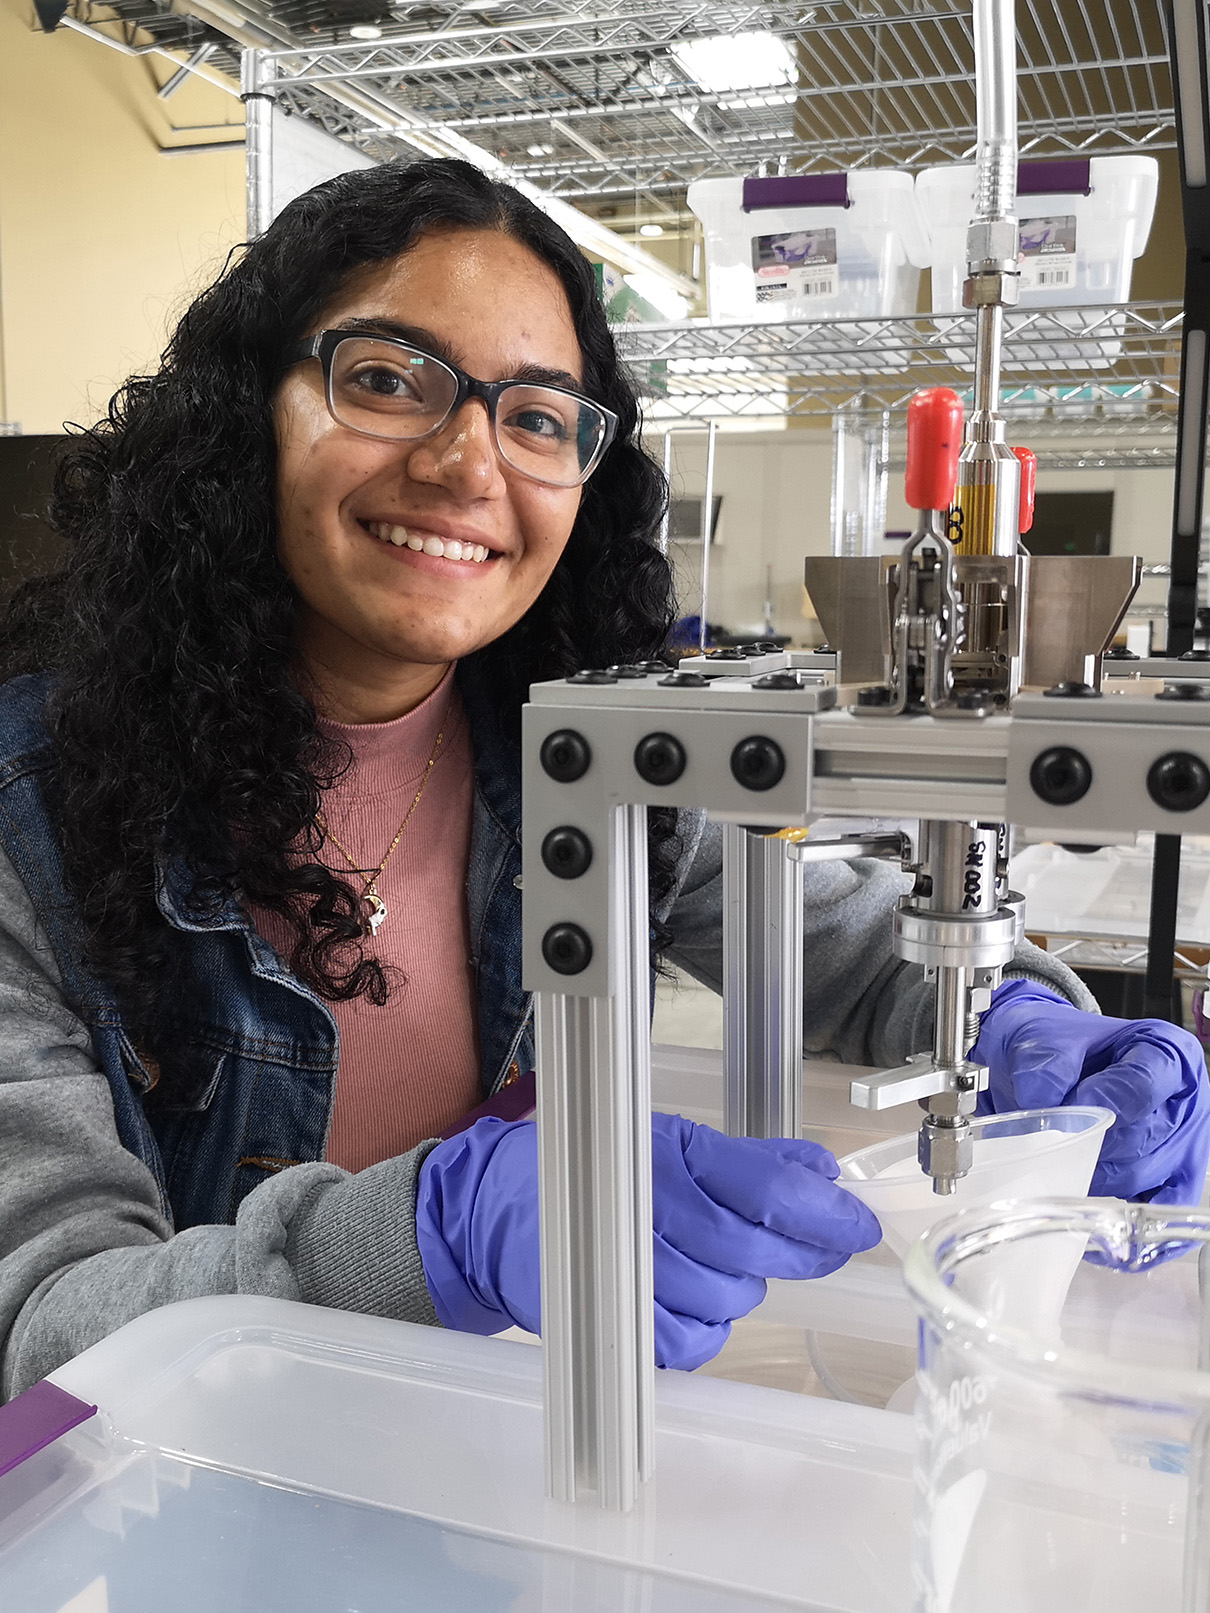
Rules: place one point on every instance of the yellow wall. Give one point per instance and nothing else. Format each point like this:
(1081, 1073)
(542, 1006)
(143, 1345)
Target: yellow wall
(103, 240)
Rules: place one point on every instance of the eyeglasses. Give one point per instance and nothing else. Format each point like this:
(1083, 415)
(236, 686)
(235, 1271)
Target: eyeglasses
(382, 386)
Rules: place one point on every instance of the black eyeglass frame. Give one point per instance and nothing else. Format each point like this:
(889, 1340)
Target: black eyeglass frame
(323, 347)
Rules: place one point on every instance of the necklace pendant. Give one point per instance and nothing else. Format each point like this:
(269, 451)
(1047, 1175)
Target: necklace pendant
(378, 911)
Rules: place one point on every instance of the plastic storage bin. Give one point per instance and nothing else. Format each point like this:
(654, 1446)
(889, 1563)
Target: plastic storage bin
(1082, 223)
(810, 246)
(258, 1456)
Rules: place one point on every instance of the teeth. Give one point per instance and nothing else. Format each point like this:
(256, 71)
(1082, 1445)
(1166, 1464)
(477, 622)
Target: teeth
(450, 548)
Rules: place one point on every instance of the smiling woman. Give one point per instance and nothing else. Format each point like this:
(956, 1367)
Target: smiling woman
(260, 806)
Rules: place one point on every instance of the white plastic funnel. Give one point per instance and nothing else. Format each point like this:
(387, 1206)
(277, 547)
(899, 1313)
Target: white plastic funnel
(1036, 1153)
(1032, 1154)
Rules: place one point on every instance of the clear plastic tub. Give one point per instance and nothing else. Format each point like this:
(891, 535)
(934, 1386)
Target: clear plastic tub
(812, 246)
(259, 1456)
(1082, 224)
(1069, 1472)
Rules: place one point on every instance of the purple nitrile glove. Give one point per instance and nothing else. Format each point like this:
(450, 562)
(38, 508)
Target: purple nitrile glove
(728, 1212)
(1042, 1052)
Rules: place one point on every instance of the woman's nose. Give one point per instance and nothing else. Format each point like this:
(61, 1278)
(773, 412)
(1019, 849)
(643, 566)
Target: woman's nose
(462, 455)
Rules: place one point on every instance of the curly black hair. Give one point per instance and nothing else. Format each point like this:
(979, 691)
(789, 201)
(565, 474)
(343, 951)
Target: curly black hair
(179, 729)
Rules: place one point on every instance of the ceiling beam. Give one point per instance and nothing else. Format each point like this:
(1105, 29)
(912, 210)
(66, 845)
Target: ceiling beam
(249, 26)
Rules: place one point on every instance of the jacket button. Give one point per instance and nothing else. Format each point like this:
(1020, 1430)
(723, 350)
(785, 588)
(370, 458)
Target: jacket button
(514, 1074)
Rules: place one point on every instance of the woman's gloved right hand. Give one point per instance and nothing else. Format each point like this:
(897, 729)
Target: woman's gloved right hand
(728, 1213)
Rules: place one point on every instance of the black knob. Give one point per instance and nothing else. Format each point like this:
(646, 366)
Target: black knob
(659, 758)
(565, 755)
(567, 949)
(758, 763)
(1179, 781)
(567, 852)
(1061, 776)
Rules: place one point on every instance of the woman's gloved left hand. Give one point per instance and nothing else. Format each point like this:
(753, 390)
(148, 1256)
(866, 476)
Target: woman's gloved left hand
(1041, 1052)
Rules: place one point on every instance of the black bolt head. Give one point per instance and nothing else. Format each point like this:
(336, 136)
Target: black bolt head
(1179, 781)
(659, 758)
(684, 680)
(1072, 689)
(777, 680)
(567, 949)
(593, 674)
(758, 763)
(1061, 776)
(567, 852)
(1184, 691)
(565, 755)
(877, 694)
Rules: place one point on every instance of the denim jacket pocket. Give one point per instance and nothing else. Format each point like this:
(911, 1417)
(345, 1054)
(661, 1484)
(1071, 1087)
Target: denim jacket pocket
(186, 1081)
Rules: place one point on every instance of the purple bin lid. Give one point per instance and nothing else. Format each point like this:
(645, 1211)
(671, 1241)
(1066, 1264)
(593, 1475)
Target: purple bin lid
(36, 1419)
(1044, 178)
(796, 190)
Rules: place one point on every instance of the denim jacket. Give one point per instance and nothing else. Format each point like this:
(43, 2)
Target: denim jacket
(254, 1069)
(114, 1200)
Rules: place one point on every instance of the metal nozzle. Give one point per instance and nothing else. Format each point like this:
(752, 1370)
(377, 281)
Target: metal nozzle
(945, 1150)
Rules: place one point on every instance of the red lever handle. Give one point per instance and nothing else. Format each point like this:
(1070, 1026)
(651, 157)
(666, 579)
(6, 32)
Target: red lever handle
(934, 441)
(1029, 486)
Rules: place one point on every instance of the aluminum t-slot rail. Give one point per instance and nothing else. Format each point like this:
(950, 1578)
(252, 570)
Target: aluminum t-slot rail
(759, 754)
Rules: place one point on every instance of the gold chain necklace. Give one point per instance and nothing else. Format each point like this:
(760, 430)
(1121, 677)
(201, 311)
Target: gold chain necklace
(376, 916)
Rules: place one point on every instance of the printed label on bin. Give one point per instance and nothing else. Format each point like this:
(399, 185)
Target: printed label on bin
(801, 264)
(1048, 253)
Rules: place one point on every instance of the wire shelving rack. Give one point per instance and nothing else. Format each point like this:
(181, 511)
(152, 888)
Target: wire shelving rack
(1109, 373)
(590, 99)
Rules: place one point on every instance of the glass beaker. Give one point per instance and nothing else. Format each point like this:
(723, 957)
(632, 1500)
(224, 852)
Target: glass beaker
(1065, 1466)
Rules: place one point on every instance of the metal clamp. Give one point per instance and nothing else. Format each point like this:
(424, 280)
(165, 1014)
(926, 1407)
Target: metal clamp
(920, 1079)
(892, 845)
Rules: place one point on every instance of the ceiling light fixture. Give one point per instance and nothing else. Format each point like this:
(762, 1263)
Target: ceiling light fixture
(365, 30)
(539, 150)
(745, 61)
(651, 229)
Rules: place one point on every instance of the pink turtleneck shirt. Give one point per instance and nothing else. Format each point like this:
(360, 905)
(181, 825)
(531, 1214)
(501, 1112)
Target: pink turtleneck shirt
(409, 1069)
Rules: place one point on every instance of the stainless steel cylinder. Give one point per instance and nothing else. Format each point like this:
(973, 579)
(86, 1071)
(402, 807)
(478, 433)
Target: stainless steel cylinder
(257, 72)
(961, 862)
